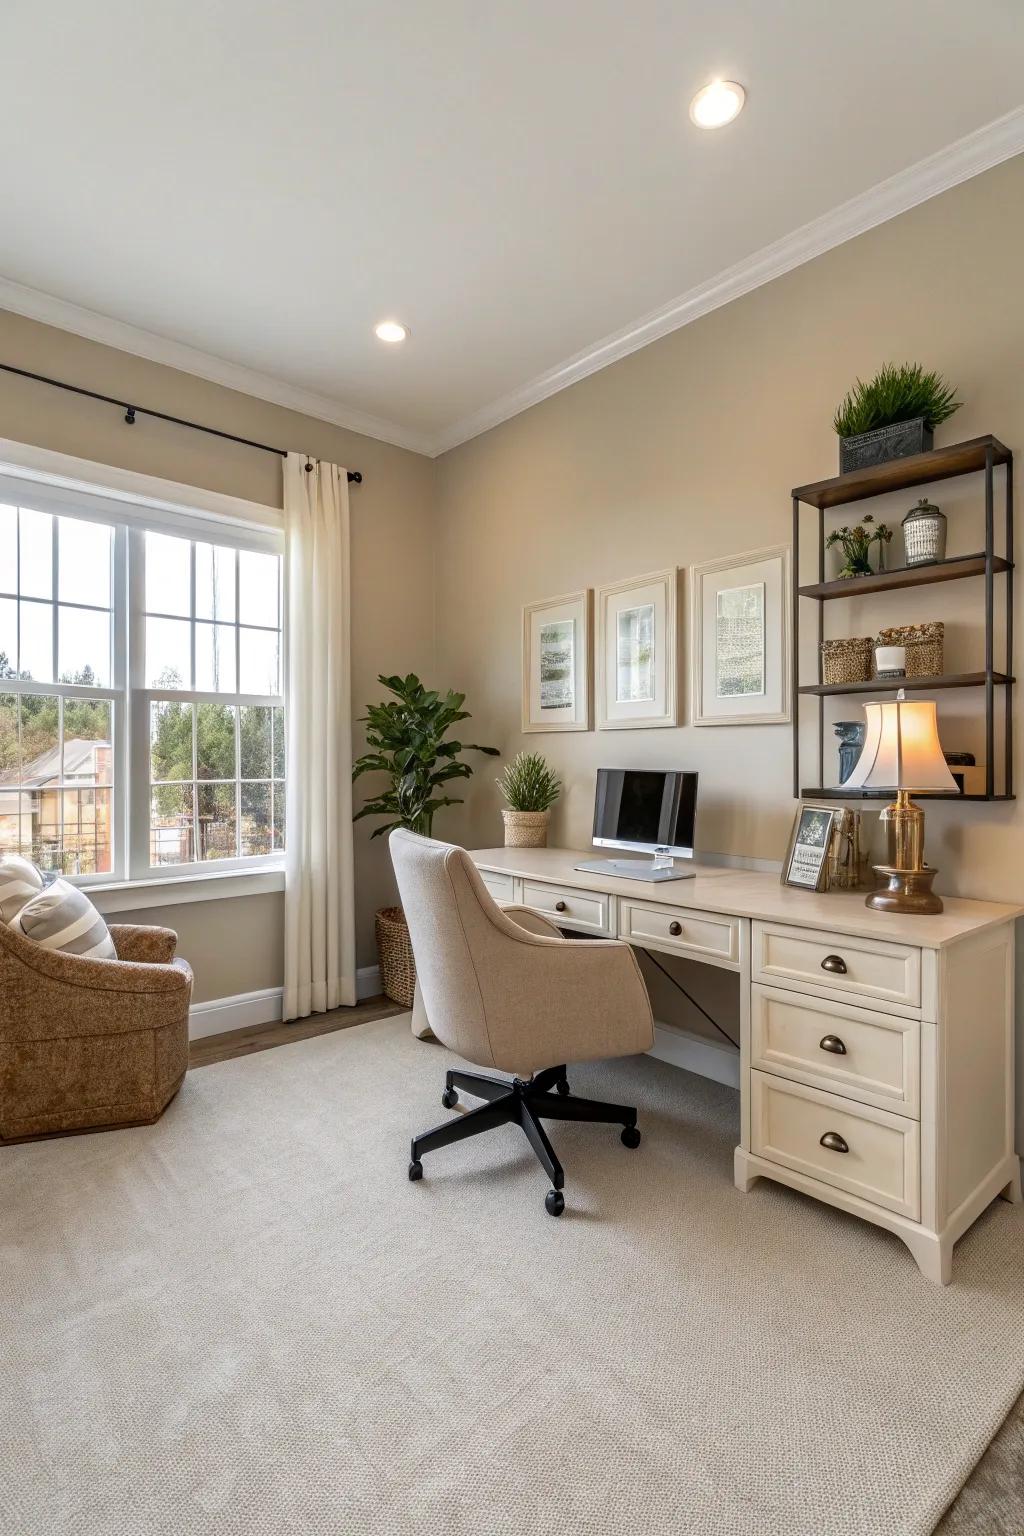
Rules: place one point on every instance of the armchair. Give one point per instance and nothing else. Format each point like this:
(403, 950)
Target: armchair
(90, 1044)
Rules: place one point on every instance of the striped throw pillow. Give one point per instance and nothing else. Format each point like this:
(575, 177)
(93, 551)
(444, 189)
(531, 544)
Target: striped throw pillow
(62, 917)
(19, 882)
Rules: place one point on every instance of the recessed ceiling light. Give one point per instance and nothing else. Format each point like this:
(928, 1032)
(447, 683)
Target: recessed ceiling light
(717, 104)
(391, 331)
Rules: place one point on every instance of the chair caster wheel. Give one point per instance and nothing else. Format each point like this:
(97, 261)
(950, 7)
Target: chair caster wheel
(415, 1169)
(562, 1087)
(554, 1202)
(630, 1136)
(449, 1098)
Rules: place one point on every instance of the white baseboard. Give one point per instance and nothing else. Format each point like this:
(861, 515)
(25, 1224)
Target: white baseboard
(246, 1010)
(705, 1057)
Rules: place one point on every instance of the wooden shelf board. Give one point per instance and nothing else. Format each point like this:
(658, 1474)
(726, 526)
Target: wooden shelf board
(911, 684)
(954, 569)
(814, 793)
(902, 474)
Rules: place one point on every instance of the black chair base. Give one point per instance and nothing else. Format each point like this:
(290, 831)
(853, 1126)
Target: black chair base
(524, 1103)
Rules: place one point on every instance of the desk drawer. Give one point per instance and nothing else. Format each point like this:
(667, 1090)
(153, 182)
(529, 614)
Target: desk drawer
(707, 936)
(872, 1057)
(881, 1162)
(569, 907)
(832, 963)
(501, 886)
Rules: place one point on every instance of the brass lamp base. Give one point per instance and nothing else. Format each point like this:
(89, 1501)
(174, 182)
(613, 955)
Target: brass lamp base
(907, 890)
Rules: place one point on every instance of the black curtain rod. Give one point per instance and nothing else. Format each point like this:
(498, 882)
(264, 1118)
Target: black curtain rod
(131, 411)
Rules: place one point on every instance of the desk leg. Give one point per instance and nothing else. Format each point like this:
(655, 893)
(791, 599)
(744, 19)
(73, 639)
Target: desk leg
(744, 1177)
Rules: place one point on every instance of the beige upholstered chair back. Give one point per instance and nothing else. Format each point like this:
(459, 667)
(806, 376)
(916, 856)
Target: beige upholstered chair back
(502, 996)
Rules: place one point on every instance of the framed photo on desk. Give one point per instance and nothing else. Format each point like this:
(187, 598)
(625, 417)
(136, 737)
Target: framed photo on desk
(806, 865)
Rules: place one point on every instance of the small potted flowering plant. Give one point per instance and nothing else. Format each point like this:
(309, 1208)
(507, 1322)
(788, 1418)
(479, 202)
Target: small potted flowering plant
(857, 544)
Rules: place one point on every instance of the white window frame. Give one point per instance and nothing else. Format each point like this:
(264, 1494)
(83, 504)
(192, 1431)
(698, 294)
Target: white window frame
(134, 503)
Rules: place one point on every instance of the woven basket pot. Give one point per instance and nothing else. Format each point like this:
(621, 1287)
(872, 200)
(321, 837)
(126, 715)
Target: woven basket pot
(526, 829)
(394, 950)
(924, 644)
(847, 661)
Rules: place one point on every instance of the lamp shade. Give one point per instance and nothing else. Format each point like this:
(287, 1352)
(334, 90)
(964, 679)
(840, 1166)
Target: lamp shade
(902, 749)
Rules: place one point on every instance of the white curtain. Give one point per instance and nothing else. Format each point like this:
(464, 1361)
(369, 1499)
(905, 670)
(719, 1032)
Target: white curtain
(319, 943)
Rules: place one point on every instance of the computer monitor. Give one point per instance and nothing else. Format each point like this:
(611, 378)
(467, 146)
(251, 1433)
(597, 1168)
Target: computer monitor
(644, 810)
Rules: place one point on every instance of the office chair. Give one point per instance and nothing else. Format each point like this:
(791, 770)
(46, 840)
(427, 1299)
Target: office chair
(502, 988)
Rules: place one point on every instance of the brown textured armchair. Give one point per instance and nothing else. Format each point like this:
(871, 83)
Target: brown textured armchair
(87, 1044)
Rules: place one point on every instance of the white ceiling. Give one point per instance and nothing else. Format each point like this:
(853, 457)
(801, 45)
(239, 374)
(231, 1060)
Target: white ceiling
(516, 181)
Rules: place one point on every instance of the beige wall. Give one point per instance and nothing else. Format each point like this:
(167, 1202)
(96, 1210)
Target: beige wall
(235, 944)
(687, 451)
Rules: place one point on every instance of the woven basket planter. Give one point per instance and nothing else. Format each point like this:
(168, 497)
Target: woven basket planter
(847, 661)
(526, 829)
(394, 950)
(924, 646)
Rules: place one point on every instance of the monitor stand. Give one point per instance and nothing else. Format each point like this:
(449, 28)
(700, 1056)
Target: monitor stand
(636, 869)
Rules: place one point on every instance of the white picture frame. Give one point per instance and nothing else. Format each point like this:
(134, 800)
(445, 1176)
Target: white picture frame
(741, 638)
(637, 652)
(557, 669)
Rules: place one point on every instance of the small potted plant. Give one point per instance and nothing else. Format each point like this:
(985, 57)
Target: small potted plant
(893, 416)
(857, 542)
(407, 736)
(530, 788)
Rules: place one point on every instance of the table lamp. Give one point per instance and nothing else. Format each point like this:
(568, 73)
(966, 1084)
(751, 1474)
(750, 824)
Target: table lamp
(902, 752)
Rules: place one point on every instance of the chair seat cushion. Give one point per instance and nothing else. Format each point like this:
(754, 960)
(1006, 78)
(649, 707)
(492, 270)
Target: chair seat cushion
(62, 917)
(19, 882)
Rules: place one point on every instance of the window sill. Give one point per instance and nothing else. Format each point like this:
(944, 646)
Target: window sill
(171, 891)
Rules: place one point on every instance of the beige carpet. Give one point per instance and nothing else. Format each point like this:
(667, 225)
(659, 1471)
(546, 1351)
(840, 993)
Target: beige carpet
(246, 1321)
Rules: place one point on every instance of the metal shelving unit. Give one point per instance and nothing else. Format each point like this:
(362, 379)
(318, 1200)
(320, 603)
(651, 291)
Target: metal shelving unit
(980, 455)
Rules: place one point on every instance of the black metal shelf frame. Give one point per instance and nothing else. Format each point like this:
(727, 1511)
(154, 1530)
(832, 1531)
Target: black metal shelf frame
(983, 455)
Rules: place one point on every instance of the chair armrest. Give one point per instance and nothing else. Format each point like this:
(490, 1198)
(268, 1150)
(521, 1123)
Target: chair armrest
(532, 922)
(149, 946)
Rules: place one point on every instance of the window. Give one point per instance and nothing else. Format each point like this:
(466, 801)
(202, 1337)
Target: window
(57, 705)
(141, 708)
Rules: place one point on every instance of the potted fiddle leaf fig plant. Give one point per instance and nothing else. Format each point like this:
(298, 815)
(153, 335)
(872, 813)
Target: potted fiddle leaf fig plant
(892, 416)
(407, 737)
(530, 788)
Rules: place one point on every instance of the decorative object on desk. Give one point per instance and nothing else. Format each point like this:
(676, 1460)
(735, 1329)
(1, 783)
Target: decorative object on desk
(851, 735)
(903, 752)
(407, 738)
(637, 671)
(893, 416)
(924, 534)
(846, 866)
(923, 644)
(890, 661)
(740, 641)
(530, 788)
(846, 661)
(857, 542)
(557, 691)
(807, 855)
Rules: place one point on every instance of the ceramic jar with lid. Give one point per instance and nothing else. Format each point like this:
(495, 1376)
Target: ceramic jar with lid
(924, 533)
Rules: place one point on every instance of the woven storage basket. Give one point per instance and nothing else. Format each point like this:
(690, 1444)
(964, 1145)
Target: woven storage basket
(847, 661)
(394, 950)
(526, 829)
(924, 646)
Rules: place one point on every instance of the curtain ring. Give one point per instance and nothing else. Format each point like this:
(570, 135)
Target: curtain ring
(309, 465)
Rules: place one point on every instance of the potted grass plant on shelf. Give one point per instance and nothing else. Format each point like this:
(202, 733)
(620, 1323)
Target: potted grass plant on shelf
(530, 788)
(893, 416)
(407, 738)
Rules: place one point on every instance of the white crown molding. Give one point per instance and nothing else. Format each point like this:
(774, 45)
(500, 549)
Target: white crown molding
(967, 157)
(65, 316)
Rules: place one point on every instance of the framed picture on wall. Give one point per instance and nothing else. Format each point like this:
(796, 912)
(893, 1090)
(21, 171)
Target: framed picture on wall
(637, 661)
(557, 690)
(806, 863)
(740, 643)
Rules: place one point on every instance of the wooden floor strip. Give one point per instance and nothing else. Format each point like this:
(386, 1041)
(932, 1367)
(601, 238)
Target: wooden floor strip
(263, 1037)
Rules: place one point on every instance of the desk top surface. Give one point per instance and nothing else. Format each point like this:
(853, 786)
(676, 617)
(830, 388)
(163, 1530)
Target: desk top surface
(749, 893)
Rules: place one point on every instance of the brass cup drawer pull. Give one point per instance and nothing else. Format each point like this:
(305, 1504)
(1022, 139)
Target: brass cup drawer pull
(559, 906)
(833, 1142)
(832, 1044)
(675, 929)
(835, 964)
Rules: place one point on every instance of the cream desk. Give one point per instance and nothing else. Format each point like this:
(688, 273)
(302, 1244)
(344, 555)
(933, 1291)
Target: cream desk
(876, 1051)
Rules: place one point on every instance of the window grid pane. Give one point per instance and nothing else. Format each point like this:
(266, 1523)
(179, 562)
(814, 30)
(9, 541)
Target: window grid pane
(56, 778)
